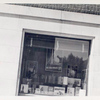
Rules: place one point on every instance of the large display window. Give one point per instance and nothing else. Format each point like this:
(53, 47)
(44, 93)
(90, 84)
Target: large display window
(53, 65)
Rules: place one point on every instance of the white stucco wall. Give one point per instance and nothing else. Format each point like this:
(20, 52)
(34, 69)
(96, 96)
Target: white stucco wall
(12, 21)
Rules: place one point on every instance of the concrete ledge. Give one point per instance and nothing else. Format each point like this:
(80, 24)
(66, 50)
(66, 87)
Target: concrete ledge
(48, 13)
(30, 11)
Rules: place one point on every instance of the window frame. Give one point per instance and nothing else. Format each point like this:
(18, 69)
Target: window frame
(65, 35)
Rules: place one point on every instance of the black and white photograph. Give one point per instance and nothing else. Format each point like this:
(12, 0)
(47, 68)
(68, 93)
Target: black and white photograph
(49, 50)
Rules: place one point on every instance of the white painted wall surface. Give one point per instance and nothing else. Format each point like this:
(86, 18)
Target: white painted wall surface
(11, 27)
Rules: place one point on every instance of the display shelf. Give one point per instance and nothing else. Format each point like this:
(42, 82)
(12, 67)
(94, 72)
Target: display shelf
(36, 94)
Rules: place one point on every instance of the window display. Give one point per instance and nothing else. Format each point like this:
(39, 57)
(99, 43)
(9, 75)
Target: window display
(53, 65)
(53, 60)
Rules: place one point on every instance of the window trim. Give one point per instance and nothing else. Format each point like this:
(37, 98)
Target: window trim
(66, 35)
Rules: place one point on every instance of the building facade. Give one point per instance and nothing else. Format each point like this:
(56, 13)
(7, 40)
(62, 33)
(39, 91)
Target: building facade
(48, 50)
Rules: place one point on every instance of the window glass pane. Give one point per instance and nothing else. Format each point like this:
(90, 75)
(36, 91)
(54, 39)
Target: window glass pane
(53, 65)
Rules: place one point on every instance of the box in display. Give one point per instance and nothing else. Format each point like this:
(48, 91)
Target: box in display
(24, 88)
(46, 79)
(37, 91)
(77, 82)
(53, 79)
(42, 78)
(50, 90)
(74, 81)
(29, 82)
(29, 90)
(70, 91)
(43, 89)
(77, 90)
(33, 88)
(60, 80)
(82, 92)
(71, 82)
(49, 79)
(65, 80)
(84, 86)
(59, 90)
